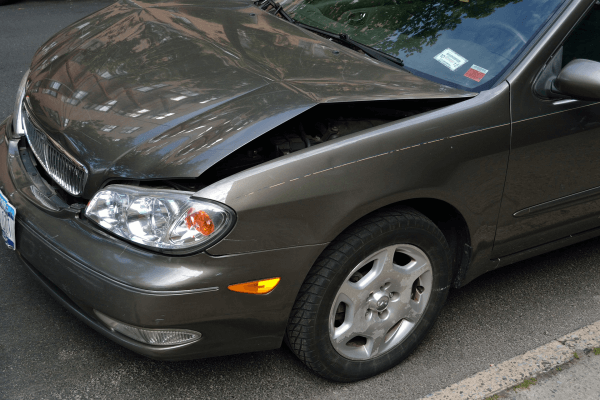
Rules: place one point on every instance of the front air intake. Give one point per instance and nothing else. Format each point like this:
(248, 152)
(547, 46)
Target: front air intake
(67, 172)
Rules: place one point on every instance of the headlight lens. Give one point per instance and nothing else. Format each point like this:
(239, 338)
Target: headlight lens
(167, 220)
(18, 123)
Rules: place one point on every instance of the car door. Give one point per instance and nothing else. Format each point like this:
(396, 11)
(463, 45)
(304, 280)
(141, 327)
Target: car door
(552, 187)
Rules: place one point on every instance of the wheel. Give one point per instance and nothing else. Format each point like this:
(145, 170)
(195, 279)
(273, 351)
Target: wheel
(372, 296)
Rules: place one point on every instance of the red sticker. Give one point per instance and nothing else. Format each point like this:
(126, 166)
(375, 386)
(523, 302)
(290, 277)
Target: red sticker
(476, 73)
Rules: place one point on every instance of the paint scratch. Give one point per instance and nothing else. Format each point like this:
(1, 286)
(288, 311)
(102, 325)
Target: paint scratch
(375, 156)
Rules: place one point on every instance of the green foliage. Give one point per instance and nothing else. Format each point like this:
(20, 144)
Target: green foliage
(525, 384)
(394, 25)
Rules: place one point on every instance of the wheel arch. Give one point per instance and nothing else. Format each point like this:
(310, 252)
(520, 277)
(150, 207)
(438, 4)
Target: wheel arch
(447, 218)
(454, 227)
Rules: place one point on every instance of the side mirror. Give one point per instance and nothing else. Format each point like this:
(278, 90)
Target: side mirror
(579, 79)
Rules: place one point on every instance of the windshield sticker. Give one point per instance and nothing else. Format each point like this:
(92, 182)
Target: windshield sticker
(450, 59)
(476, 73)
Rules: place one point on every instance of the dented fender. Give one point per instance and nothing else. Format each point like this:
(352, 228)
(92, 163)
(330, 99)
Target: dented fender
(457, 154)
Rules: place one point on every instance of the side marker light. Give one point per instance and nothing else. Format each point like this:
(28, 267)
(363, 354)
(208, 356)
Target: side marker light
(262, 286)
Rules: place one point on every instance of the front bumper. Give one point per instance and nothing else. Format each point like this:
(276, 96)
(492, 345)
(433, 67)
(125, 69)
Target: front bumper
(87, 269)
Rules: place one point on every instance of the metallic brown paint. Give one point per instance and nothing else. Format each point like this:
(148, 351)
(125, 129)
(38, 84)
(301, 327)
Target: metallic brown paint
(312, 195)
(244, 72)
(488, 157)
(580, 79)
(554, 146)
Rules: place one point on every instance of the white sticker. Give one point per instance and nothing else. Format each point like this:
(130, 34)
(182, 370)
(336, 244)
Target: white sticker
(451, 59)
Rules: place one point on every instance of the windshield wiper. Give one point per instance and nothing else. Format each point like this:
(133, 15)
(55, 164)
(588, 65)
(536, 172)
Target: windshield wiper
(342, 38)
(276, 9)
(345, 39)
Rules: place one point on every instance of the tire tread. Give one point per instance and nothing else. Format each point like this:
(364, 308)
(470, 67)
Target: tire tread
(300, 331)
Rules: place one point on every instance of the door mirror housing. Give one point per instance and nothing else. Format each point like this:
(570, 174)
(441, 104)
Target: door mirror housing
(579, 79)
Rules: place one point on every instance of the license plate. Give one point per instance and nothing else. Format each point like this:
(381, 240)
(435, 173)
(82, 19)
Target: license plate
(8, 214)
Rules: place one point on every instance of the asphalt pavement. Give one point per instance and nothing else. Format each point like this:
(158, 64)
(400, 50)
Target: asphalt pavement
(45, 352)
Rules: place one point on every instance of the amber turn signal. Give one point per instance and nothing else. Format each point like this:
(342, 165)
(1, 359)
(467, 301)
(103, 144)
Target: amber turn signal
(200, 221)
(263, 286)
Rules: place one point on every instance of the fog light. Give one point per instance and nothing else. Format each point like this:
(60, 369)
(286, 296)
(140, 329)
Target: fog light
(154, 337)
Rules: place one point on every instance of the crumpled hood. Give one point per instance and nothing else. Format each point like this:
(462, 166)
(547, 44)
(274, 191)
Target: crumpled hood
(150, 90)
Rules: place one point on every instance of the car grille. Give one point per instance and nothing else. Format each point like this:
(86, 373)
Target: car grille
(67, 172)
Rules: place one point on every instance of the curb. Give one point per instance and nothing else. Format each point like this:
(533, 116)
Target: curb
(509, 373)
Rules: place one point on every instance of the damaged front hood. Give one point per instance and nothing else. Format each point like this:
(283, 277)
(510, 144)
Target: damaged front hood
(151, 90)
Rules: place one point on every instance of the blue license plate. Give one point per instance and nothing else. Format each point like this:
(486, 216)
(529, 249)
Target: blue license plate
(8, 213)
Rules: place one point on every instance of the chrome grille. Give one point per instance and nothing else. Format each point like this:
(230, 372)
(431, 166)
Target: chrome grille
(67, 172)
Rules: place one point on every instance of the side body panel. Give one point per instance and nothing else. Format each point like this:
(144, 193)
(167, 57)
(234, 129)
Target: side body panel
(555, 150)
(457, 154)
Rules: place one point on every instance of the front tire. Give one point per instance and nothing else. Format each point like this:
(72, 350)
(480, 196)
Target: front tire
(372, 296)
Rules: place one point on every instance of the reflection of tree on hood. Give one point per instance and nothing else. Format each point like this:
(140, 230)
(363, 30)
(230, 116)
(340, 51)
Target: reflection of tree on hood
(419, 21)
(145, 45)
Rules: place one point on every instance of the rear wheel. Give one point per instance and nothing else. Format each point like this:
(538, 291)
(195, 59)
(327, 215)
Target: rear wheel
(371, 296)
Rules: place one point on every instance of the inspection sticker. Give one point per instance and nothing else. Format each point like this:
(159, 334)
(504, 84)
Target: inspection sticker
(476, 73)
(451, 59)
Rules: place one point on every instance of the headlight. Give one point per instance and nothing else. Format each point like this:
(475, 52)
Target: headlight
(18, 125)
(169, 221)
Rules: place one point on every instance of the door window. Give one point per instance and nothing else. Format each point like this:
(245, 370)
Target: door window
(584, 42)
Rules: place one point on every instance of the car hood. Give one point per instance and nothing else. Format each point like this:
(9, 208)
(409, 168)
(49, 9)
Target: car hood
(154, 90)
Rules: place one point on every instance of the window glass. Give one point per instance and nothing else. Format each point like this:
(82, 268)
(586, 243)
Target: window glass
(461, 43)
(584, 42)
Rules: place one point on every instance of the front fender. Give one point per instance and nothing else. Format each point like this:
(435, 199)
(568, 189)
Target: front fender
(457, 154)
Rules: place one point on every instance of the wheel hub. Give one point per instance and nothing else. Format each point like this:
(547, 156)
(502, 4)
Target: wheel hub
(373, 310)
(379, 301)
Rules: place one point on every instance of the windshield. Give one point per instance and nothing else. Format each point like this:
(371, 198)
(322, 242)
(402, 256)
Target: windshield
(465, 44)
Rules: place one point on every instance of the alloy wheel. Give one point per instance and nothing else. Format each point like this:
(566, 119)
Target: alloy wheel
(380, 302)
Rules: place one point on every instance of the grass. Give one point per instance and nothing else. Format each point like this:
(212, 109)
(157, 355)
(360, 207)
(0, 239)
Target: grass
(532, 381)
(525, 384)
